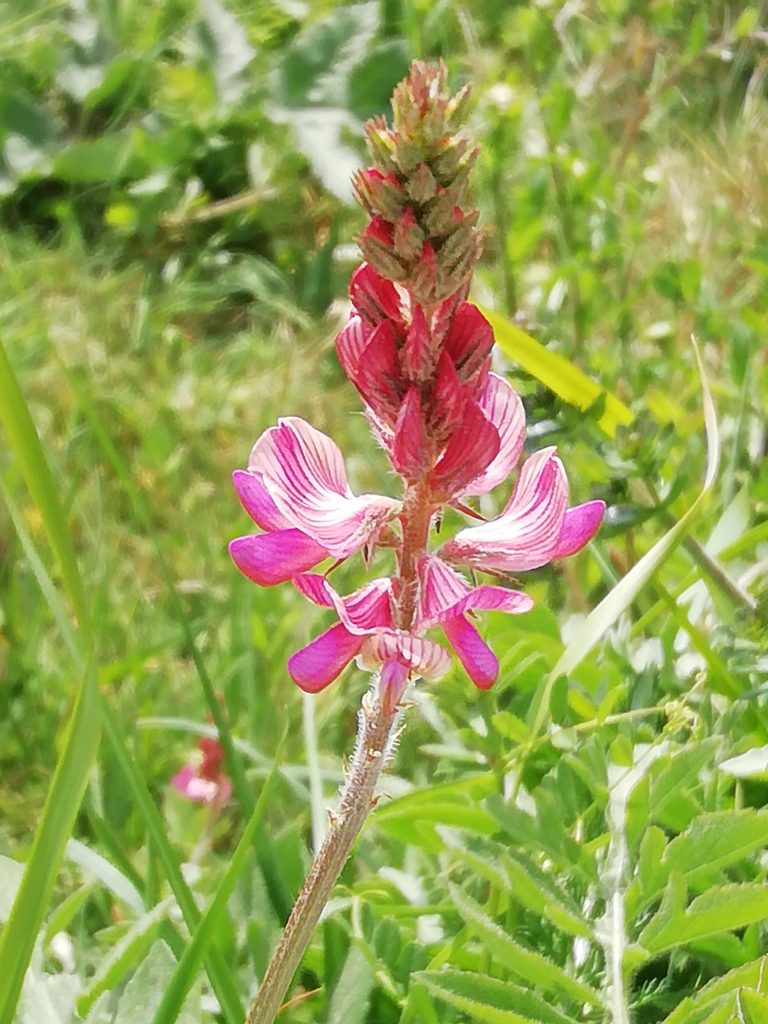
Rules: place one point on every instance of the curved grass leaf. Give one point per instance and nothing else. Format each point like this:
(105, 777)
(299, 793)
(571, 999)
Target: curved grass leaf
(81, 741)
(557, 373)
(524, 963)
(489, 1001)
(614, 604)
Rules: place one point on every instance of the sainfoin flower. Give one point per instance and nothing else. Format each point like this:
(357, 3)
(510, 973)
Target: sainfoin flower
(418, 353)
(203, 780)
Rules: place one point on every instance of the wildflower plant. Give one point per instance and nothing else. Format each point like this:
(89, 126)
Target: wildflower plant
(418, 353)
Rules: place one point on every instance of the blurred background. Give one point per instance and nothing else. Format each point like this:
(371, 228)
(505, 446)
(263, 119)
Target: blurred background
(176, 235)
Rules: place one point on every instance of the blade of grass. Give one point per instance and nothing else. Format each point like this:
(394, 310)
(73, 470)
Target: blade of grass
(81, 740)
(279, 896)
(187, 968)
(614, 604)
(216, 967)
(557, 373)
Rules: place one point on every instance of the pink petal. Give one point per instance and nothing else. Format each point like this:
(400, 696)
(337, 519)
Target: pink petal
(392, 683)
(447, 401)
(445, 594)
(374, 297)
(476, 656)
(270, 558)
(304, 472)
(351, 344)
(378, 377)
(417, 356)
(363, 611)
(471, 449)
(469, 342)
(423, 657)
(526, 535)
(580, 524)
(321, 661)
(410, 450)
(256, 501)
(502, 406)
(192, 787)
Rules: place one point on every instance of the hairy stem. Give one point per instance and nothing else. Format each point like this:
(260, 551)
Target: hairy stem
(376, 726)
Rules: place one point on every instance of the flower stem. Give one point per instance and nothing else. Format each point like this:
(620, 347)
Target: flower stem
(373, 736)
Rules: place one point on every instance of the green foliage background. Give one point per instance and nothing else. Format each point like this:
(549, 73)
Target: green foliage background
(176, 233)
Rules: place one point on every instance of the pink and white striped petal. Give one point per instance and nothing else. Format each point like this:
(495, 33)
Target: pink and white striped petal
(422, 657)
(445, 594)
(502, 406)
(303, 470)
(580, 524)
(271, 558)
(526, 535)
(256, 501)
(317, 665)
(363, 611)
(481, 664)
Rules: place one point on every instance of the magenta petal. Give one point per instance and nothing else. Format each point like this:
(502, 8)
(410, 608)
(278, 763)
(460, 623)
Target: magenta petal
(256, 501)
(193, 787)
(472, 447)
(502, 406)
(423, 657)
(392, 683)
(409, 445)
(321, 661)
(270, 558)
(304, 472)
(526, 534)
(580, 525)
(481, 664)
(445, 594)
(363, 611)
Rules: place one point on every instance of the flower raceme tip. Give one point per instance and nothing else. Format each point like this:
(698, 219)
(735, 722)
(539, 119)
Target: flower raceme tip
(418, 353)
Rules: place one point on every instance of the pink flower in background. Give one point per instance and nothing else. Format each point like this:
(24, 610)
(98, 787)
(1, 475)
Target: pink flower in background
(296, 490)
(203, 780)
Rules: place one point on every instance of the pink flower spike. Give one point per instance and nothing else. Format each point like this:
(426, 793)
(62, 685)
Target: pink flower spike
(481, 664)
(502, 406)
(271, 558)
(580, 524)
(323, 659)
(410, 448)
(303, 470)
(374, 297)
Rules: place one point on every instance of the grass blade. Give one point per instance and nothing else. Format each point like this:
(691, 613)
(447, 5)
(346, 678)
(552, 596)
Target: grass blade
(81, 741)
(557, 373)
(187, 968)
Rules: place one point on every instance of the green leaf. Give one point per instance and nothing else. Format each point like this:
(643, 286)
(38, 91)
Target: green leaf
(752, 1007)
(712, 841)
(144, 991)
(93, 863)
(525, 963)
(694, 1009)
(557, 373)
(539, 892)
(352, 994)
(81, 740)
(721, 909)
(124, 955)
(487, 1000)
